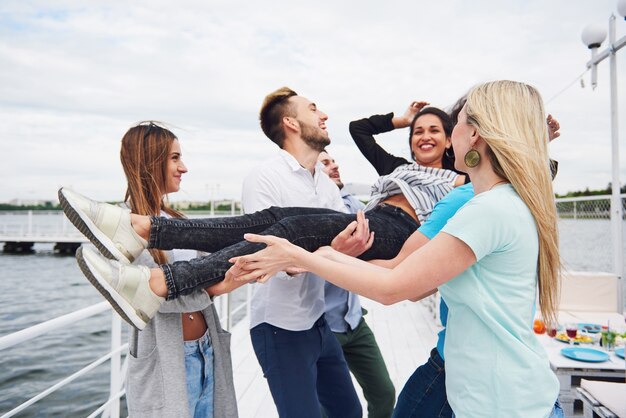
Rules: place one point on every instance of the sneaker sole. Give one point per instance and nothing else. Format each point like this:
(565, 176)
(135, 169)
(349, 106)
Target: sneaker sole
(89, 229)
(123, 308)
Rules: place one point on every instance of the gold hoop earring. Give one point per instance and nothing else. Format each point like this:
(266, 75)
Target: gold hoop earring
(472, 158)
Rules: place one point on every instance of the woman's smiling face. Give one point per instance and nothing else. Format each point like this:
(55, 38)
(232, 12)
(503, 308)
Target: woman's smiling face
(175, 168)
(429, 141)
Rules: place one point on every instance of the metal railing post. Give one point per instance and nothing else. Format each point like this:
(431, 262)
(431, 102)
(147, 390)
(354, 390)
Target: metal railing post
(224, 310)
(229, 316)
(116, 377)
(248, 299)
(30, 222)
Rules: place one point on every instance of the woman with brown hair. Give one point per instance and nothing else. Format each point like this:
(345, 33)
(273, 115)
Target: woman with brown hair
(179, 365)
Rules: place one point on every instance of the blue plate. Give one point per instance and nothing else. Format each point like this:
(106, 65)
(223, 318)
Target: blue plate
(585, 354)
(590, 328)
(619, 352)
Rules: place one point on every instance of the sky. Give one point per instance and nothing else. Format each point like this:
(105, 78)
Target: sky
(74, 76)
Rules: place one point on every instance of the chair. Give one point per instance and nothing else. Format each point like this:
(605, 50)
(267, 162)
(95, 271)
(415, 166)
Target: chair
(589, 292)
(602, 399)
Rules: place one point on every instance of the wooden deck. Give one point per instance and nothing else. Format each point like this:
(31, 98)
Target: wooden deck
(406, 332)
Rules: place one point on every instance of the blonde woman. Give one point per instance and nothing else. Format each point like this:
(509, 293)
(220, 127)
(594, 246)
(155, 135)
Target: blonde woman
(504, 243)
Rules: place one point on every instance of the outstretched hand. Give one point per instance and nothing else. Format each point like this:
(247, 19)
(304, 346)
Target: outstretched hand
(356, 238)
(279, 255)
(553, 128)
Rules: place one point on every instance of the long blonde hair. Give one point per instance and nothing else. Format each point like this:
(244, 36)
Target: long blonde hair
(510, 117)
(144, 155)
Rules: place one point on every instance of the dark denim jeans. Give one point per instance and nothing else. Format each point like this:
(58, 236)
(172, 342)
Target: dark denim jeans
(305, 369)
(557, 411)
(424, 394)
(309, 228)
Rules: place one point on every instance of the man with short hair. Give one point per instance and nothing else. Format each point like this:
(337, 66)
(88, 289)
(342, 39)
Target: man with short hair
(345, 318)
(300, 357)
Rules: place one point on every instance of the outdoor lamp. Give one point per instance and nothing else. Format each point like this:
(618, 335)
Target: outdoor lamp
(593, 35)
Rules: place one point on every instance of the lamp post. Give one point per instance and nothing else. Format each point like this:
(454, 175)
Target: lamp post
(593, 36)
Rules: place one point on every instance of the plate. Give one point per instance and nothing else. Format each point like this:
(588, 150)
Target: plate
(590, 328)
(619, 352)
(580, 338)
(585, 354)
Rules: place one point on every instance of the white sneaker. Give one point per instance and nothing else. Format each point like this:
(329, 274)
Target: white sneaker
(125, 286)
(107, 226)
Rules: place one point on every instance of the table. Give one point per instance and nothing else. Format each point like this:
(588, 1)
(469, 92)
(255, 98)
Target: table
(569, 372)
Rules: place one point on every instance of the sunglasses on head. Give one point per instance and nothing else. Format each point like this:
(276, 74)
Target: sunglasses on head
(151, 126)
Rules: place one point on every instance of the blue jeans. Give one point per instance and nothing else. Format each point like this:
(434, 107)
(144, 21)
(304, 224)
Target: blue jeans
(557, 411)
(199, 371)
(305, 369)
(424, 394)
(309, 228)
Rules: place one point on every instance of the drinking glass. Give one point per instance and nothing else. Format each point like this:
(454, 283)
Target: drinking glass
(608, 340)
(572, 330)
(552, 332)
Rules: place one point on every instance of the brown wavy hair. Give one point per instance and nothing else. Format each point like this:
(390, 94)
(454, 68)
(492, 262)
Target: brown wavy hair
(144, 155)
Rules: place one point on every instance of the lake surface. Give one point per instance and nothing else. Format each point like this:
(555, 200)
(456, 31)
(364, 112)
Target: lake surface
(40, 286)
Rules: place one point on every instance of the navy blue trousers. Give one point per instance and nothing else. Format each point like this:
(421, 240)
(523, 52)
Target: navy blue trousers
(424, 394)
(305, 369)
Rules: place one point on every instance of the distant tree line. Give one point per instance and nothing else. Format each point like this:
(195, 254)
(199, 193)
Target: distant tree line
(223, 207)
(588, 192)
(45, 206)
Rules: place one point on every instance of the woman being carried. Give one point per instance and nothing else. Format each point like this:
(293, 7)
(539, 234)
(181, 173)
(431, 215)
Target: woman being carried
(120, 235)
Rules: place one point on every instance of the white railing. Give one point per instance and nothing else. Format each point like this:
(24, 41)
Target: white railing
(29, 224)
(586, 229)
(44, 223)
(111, 408)
(586, 207)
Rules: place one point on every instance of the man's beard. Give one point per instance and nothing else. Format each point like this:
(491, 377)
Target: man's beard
(313, 137)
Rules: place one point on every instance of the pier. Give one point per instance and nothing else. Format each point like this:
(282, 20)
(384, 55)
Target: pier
(20, 231)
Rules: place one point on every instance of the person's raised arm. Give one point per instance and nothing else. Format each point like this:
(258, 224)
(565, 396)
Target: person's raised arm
(363, 131)
(553, 133)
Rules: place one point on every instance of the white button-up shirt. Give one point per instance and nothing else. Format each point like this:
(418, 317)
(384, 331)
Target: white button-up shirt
(292, 303)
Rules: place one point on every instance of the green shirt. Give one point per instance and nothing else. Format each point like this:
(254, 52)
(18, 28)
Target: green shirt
(495, 366)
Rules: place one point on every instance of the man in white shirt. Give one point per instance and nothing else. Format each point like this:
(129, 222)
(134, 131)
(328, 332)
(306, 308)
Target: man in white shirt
(299, 355)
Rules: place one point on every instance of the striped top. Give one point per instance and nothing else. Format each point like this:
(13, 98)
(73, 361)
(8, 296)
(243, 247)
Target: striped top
(422, 187)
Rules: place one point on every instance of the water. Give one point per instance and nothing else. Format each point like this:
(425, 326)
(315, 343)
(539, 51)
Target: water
(40, 286)
(35, 288)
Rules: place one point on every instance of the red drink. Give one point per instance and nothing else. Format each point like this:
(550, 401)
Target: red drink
(571, 332)
(552, 332)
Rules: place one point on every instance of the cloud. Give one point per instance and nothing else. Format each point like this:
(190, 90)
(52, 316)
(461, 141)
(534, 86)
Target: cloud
(75, 76)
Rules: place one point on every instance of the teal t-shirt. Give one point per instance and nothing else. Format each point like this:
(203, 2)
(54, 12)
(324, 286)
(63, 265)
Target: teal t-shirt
(495, 366)
(444, 210)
